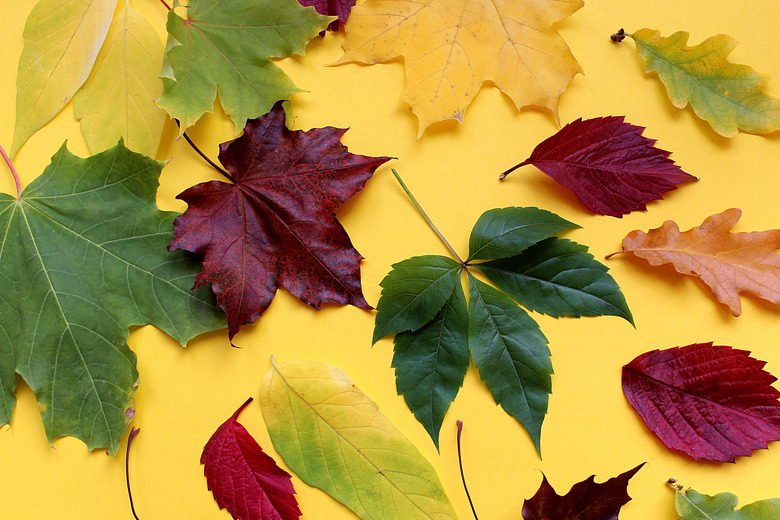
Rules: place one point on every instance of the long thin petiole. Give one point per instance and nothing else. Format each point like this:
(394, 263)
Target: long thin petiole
(212, 163)
(165, 4)
(462, 476)
(130, 438)
(13, 172)
(425, 216)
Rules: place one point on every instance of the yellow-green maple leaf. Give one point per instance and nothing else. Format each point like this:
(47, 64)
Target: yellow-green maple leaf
(62, 40)
(118, 98)
(452, 47)
(728, 96)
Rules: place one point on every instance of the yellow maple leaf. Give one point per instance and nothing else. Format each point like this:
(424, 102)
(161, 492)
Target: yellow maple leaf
(452, 47)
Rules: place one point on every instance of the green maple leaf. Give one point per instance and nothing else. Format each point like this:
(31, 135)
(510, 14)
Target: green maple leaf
(692, 505)
(83, 257)
(423, 304)
(229, 43)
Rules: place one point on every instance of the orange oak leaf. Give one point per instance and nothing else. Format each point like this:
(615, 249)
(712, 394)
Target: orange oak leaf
(452, 47)
(729, 263)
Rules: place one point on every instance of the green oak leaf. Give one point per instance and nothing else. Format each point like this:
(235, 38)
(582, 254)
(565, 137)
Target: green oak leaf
(83, 257)
(228, 43)
(692, 505)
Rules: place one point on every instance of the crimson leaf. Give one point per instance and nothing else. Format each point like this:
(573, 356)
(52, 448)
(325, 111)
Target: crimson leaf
(585, 501)
(712, 402)
(608, 165)
(276, 225)
(243, 478)
(340, 8)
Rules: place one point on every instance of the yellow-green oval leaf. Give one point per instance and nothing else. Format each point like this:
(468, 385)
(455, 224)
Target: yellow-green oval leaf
(61, 43)
(118, 98)
(335, 438)
(728, 96)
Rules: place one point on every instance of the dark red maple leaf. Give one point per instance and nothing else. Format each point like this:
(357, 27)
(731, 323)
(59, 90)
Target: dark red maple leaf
(243, 478)
(585, 501)
(340, 8)
(713, 402)
(608, 165)
(276, 225)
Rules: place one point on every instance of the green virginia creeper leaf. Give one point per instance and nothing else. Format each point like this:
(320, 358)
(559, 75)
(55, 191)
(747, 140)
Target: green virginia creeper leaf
(61, 43)
(692, 505)
(511, 355)
(83, 257)
(335, 438)
(229, 43)
(413, 292)
(728, 96)
(118, 98)
(505, 232)
(430, 363)
(560, 278)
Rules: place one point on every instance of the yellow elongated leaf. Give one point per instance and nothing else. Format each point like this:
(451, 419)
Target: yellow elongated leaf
(118, 98)
(728, 96)
(335, 438)
(62, 41)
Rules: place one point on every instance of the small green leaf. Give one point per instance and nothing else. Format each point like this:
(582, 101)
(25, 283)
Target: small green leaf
(511, 355)
(504, 232)
(692, 505)
(413, 292)
(560, 278)
(430, 363)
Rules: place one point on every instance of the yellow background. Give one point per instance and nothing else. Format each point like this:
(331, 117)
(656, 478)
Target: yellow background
(185, 394)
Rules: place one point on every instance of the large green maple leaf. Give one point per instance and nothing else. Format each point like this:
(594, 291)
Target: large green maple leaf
(229, 43)
(83, 257)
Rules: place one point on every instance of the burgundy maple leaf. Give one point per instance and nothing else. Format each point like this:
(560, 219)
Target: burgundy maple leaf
(608, 165)
(243, 478)
(276, 225)
(585, 501)
(340, 8)
(712, 402)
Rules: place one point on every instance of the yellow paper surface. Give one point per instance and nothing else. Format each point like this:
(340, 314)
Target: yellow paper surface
(453, 170)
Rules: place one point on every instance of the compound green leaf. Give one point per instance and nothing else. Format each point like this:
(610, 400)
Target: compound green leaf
(511, 355)
(560, 278)
(83, 257)
(118, 98)
(229, 43)
(692, 505)
(61, 43)
(335, 438)
(728, 96)
(431, 362)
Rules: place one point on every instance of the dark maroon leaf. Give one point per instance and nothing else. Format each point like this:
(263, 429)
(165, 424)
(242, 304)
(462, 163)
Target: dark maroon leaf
(243, 478)
(338, 8)
(585, 501)
(608, 165)
(276, 226)
(712, 402)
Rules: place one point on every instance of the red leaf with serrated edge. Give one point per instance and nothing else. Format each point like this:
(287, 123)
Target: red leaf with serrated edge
(712, 402)
(585, 501)
(276, 226)
(243, 478)
(608, 165)
(340, 8)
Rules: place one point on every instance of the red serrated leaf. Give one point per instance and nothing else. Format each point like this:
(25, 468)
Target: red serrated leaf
(340, 8)
(243, 478)
(608, 165)
(585, 501)
(277, 224)
(712, 402)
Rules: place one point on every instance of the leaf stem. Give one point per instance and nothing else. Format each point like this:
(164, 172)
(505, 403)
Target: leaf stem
(510, 170)
(462, 476)
(425, 216)
(615, 253)
(212, 163)
(165, 4)
(13, 172)
(130, 438)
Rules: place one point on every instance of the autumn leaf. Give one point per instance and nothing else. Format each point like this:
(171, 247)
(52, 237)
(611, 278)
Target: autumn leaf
(729, 263)
(452, 47)
(276, 224)
(118, 98)
(338, 8)
(730, 97)
(335, 438)
(712, 402)
(83, 258)
(229, 43)
(243, 478)
(692, 505)
(608, 165)
(586, 500)
(61, 43)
